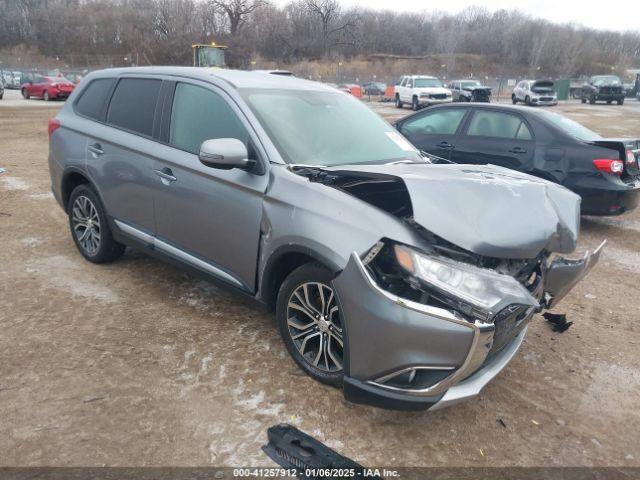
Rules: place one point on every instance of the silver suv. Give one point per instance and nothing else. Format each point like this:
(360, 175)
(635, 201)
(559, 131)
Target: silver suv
(407, 283)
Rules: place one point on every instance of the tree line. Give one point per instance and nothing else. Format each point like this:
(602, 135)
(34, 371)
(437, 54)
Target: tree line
(162, 31)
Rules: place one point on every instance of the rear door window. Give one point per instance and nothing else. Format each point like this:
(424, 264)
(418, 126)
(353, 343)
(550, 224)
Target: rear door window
(133, 105)
(498, 125)
(442, 121)
(93, 99)
(198, 114)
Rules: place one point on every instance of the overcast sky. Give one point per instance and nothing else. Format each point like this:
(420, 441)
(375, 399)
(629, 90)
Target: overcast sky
(605, 15)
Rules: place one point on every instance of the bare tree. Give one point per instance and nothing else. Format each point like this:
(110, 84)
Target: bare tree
(237, 11)
(335, 27)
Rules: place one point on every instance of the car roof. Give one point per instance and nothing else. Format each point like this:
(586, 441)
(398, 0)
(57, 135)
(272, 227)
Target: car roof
(488, 106)
(236, 78)
(420, 76)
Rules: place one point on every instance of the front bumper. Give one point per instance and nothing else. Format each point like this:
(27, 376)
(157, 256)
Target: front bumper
(538, 101)
(387, 335)
(609, 97)
(433, 101)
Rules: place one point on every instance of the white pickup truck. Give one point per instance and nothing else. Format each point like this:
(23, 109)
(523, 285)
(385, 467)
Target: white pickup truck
(420, 91)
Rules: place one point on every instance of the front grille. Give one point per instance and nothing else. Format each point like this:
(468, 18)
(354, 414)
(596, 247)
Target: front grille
(508, 323)
(610, 90)
(546, 99)
(438, 96)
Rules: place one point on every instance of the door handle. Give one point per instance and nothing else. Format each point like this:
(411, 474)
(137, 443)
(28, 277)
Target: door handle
(166, 176)
(518, 150)
(445, 145)
(96, 150)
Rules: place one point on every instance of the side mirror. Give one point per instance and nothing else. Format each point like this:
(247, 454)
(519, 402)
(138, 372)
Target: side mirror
(225, 153)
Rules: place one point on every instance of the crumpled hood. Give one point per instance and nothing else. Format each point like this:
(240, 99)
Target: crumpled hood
(476, 88)
(488, 210)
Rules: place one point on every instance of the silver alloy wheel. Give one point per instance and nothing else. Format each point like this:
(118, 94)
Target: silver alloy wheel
(314, 324)
(86, 224)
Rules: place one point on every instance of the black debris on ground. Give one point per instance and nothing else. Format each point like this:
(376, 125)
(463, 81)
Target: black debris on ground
(558, 321)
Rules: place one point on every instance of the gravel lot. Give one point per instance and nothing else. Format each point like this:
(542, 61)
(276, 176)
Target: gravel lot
(139, 363)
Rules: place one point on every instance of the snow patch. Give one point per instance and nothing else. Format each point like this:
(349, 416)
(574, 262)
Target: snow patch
(14, 183)
(63, 273)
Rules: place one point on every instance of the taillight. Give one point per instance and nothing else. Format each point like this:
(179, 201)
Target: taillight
(609, 166)
(631, 158)
(54, 124)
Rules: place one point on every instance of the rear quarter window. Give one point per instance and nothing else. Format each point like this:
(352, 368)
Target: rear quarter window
(133, 105)
(93, 99)
(498, 125)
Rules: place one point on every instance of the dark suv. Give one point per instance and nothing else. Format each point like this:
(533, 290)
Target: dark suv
(603, 88)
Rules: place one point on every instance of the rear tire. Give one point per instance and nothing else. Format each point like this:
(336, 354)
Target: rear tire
(90, 227)
(514, 99)
(592, 100)
(310, 336)
(583, 99)
(527, 100)
(46, 96)
(414, 104)
(609, 102)
(398, 102)
(25, 94)
(621, 101)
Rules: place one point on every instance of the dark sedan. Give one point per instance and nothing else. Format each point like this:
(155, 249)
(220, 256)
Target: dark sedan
(604, 172)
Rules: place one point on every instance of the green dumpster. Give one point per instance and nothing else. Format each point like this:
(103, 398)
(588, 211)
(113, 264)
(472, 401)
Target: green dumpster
(562, 88)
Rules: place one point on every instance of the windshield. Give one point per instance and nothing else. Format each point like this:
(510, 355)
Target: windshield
(427, 82)
(326, 128)
(210, 57)
(569, 126)
(606, 79)
(470, 83)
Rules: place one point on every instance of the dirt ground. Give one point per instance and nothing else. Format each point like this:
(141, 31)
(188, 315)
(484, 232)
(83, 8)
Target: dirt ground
(139, 363)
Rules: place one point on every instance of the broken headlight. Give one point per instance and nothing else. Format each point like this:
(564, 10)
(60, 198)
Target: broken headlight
(478, 292)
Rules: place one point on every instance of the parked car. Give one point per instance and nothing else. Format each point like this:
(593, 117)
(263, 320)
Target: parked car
(420, 91)
(374, 88)
(535, 92)
(607, 88)
(469, 91)
(47, 88)
(17, 80)
(604, 172)
(408, 284)
(5, 78)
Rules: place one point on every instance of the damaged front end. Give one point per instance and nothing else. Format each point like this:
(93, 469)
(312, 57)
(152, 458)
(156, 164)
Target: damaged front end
(429, 325)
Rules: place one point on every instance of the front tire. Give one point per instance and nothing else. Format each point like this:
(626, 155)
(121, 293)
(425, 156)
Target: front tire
(90, 227)
(46, 96)
(25, 94)
(514, 99)
(592, 99)
(621, 101)
(527, 100)
(310, 323)
(398, 102)
(414, 104)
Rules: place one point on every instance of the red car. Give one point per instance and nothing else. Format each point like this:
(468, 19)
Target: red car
(47, 88)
